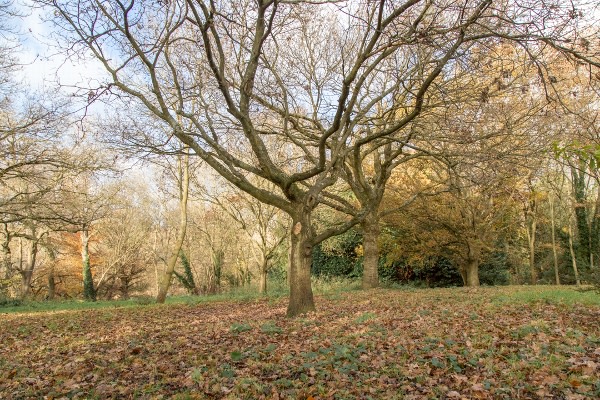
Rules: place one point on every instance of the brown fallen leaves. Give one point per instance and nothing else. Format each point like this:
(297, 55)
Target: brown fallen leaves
(443, 343)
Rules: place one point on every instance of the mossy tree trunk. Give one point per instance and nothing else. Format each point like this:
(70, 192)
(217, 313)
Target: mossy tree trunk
(89, 291)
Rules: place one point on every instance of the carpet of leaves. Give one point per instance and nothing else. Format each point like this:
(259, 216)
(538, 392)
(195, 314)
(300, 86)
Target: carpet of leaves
(442, 343)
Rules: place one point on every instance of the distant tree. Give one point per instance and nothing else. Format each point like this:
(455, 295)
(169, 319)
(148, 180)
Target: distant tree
(183, 183)
(124, 243)
(464, 223)
(265, 226)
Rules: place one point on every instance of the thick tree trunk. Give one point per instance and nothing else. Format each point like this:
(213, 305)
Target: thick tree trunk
(214, 274)
(26, 277)
(124, 288)
(471, 269)
(51, 285)
(472, 273)
(301, 295)
(581, 212)
(264, 269)
(27, 273)
(89, 291)
(167, 277)
(370, 228)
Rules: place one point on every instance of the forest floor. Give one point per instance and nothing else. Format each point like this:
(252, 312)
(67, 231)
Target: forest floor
(489, 343)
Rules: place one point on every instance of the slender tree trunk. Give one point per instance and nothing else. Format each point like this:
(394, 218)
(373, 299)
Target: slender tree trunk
(301, 246)
(531, 236)
(554, 255)
(6, 254)
(371, 231)
(172, 261)
(51, 277)
(89, 291)
(573, 256)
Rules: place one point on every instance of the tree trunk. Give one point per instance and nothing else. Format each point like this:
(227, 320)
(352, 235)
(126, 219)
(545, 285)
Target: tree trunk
(581, 212)
(301, 246)
(471, 269)
(172, 261)
(27, 272)
(89, 291)
(370, 228)
(51, 285)
(264, 269)
(51, 277)
(216, 267)
(124, 286)
(531, 231)
(6, 254)
(554, 255)
(573, 256)
(472, 272)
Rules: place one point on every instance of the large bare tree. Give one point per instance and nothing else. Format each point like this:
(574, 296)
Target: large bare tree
(235, 80)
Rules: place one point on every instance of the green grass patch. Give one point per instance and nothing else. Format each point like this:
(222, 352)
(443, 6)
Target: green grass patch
(557, 295)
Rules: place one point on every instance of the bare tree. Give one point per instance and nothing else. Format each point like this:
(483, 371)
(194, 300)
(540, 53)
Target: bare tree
(265, 226)
(306, 76)
(183, 185)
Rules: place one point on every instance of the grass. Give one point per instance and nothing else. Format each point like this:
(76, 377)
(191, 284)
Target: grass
(557, 295)
(276, 290)
(332, 288)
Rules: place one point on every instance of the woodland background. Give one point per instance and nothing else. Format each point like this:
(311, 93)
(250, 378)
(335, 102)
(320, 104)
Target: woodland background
(496, 182)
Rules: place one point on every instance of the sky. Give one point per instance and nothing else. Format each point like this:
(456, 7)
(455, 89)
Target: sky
(43, 65)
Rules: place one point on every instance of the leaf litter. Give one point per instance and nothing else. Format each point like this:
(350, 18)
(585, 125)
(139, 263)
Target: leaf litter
(435, 343)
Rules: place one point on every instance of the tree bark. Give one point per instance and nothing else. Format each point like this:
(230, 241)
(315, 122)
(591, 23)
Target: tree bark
(264, 269)
(573, 256)
(215, 272)
(471, 269)
(581, 213)
(301, 246)
(371, 231)
(89, 291)
(472, 273)
(27, 272)
(531, 236)
(172, 261)
(553, 227)
(51, 277)
(6, 254)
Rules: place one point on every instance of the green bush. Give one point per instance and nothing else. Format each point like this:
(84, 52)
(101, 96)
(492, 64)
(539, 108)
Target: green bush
(338, 257)
(495, 270)
(9, 302)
